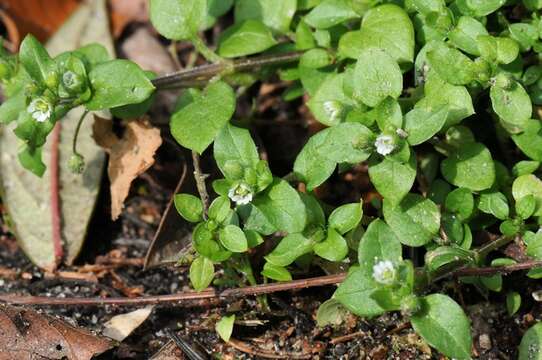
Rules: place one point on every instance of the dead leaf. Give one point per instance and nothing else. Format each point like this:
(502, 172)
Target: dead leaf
(27, 197)
(119, 327)
(129, 156)
(38, 17)
(124, 12)
(27, 334)
(143, 48)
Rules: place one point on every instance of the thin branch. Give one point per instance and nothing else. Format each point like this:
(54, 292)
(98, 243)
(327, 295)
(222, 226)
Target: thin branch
(493, 270)
(179, 297)
(208, 71)
(200, 182)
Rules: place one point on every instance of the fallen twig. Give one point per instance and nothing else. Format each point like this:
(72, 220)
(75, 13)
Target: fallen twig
(210, 294)
(246, 348)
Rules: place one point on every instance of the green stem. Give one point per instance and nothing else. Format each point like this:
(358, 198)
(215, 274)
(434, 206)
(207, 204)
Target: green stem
(204, 50)
(76, 134)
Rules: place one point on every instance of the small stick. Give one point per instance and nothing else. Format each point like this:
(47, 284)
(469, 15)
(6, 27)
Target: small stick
(244, 347)
(176, 298)
(55, 196)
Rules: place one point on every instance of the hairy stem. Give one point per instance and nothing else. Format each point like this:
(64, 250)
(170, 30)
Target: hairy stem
(204, 50)
(208, 71)
(200, 182)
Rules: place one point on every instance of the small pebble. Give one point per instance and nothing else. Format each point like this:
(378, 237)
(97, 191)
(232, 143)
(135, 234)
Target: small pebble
(537, 295)
(485, 342)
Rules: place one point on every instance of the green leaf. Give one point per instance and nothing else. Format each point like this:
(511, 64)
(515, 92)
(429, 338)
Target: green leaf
(530, 347)
(479, 8)
(444, 255)
(440, 93)
(415, 220)
(132, 111)
(529, 185)
(315, 213)
(31, 159)
(282, 206)
(276, 14)
(330, 13)
(315, 58)
(189, 207)
(377, 244)
(196, 125)
(331, 312)
(333, 248)
(525, 34)
(275, 272)
(289, 249)
(35, 59)
(465, 33)
(246, 38)
(10, 109)
(494, 203)
(346, 217)
(513, 302)
(234, 146)
(178, 19)
(529, 140)
(220, 209)
(355, 292)
(525, 207)
(233, 239)
(116, 83)
(444, 325)
(470, 166)
(512, 105)
(224, 327)
(393, 179)
(343, 143)
(451, 64)
(376, 77)
(461, 202)
(215, 9)
(304, 38)
(421, 124)
(389, 28)
(330, 104)
(204, 243)
(350, 45)
(202, 272)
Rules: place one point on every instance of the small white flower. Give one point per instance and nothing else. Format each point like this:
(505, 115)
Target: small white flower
(384, 272)
(40, 109)
(334, 109)
(384, 144)
(241, 194)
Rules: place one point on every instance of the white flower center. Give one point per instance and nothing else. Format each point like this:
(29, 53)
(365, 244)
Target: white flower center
(241, 194)
(384, 272)
(40, 109)
(384, 144)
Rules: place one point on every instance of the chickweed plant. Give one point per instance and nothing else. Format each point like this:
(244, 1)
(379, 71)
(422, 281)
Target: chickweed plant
(439, 98)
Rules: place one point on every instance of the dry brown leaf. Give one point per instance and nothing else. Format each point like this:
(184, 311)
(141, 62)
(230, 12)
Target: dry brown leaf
(27, 334)
(38, 17)
(124, 12)
(143, 48)
(119, 327)
(129, 156)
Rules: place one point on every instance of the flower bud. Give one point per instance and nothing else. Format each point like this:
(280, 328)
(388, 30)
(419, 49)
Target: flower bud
(385, 144)
(76, 164)
(72, 82)
(410, 305)
(51, 80)
(241, 194)
(384, 272)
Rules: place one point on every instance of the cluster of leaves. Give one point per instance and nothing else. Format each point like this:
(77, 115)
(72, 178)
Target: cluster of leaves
(434, 92)
(42, 89)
